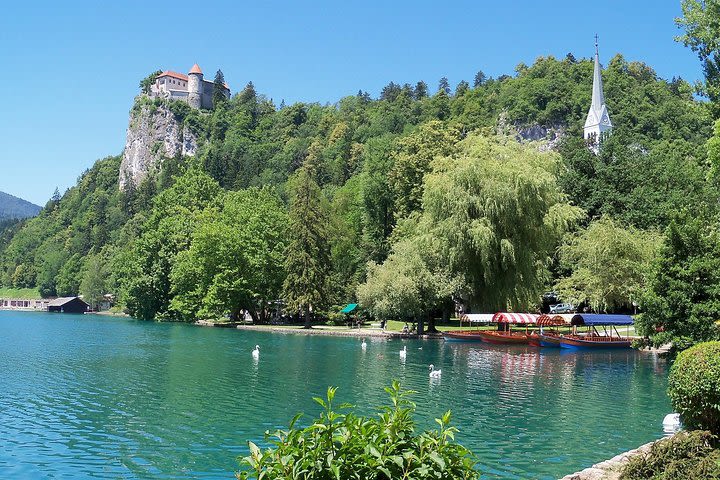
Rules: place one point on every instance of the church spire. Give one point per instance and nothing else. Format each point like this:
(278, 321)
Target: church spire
(598, 99)
(598, 119)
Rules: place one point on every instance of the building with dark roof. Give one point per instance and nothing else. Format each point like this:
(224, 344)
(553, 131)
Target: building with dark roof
(68, 305)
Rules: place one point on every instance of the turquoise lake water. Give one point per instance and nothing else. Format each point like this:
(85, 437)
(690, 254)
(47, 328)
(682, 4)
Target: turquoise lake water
(99, 397)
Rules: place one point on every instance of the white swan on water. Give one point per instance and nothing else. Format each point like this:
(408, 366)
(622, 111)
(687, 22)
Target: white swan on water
(363, 344)
(434, 373)
(403, 353)
(256, 352)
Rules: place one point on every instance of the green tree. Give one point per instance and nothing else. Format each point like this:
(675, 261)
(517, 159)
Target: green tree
(146, 287)
(307, 261)
(411, 283)
(235, 259)
(149, 81)
(413, 159)
(219, 88)
(496, 213)
(701, 22)
(682, 304)
(421, 90)
(444, 86)
(480, 79)
(92, 285)
(607, 265)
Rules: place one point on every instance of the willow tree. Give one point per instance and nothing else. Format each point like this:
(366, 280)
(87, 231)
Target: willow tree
(307, 262)
(607, 264)
(411, 283)
(496, 213)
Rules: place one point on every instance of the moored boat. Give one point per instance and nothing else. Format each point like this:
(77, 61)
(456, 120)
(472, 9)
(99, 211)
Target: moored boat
(503, 335)
(548, 336)
(593, 339)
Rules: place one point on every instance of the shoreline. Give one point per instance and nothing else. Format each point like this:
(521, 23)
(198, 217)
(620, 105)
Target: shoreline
(610, 469)
(332, 331)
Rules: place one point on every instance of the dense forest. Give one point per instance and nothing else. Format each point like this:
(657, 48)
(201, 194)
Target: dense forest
(409, 202)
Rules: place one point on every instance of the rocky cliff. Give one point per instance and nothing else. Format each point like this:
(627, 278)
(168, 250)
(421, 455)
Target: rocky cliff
(547, 137)
(154, 133)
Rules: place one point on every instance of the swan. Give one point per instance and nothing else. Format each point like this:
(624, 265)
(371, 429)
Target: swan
(434, 373)
(363, 344)
(256, 352)
(403, 353)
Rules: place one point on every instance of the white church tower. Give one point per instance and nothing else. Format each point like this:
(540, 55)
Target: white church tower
(598, 120)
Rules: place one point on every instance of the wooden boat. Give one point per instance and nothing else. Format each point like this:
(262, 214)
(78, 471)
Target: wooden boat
(503, 335)
(463, 336)
(550, 339)
(593, 339)
(548, 336)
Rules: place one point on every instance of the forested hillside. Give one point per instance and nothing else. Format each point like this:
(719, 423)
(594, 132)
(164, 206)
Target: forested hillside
(14, 208)
(412, 200)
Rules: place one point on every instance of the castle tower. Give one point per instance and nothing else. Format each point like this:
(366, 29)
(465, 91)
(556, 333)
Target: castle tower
(195, 82)
(598, 120)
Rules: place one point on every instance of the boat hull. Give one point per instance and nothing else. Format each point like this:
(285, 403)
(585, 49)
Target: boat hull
(578, 343)
(488, 336)
(552, 341)
(504, 338)
(463, 336)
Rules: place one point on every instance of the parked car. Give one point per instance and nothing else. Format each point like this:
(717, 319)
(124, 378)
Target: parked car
(562, 308)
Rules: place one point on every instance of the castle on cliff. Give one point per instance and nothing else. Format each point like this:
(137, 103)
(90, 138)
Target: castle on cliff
(190, 88)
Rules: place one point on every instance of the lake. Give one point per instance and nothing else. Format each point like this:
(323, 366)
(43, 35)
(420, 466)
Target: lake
(91, 396)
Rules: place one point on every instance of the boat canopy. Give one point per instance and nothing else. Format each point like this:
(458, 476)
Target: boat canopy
(550, 320)
(601, 319)
(505, 317)
(477, 317)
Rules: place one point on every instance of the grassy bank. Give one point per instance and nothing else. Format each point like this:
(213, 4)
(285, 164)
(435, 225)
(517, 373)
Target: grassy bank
(20, 293)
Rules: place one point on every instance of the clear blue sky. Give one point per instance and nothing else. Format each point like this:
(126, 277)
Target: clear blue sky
(71, 69)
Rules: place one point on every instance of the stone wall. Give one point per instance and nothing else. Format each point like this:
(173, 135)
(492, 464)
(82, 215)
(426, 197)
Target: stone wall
(154, 133)
(609, 469)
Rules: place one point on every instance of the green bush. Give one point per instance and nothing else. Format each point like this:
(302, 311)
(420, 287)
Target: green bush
(694, 386)
(346, 446)
(686, 456)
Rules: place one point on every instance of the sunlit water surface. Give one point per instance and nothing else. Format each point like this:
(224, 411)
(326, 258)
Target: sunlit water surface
(99, 397)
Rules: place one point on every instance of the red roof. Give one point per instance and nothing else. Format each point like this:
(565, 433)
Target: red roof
(504, 317)
(168, 73)
(195, 69)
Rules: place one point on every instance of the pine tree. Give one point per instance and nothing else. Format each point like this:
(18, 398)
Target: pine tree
(480, 79)
(444, 86)
(461, 88)
(219, 88)
(421, 90)
(308, 254)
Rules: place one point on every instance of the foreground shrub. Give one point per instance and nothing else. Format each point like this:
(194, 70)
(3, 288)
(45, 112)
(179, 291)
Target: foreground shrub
(345, 446)
(686, 456)
(694, 386)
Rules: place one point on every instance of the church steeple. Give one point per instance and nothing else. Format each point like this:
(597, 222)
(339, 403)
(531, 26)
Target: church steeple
(598, 119)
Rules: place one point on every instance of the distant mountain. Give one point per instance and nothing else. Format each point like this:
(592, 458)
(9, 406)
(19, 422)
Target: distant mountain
(13, 207)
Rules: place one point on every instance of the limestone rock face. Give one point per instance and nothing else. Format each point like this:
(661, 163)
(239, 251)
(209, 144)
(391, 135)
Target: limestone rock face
(154, 133)
(546, 137)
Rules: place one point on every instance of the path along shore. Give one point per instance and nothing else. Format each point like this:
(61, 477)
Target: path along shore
(320, 330)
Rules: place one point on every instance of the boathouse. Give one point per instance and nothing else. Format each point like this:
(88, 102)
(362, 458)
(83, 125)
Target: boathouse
(68, 305)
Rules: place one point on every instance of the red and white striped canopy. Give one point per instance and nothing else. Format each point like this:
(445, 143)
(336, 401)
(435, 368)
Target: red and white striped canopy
(551, 320)
(505, 317)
